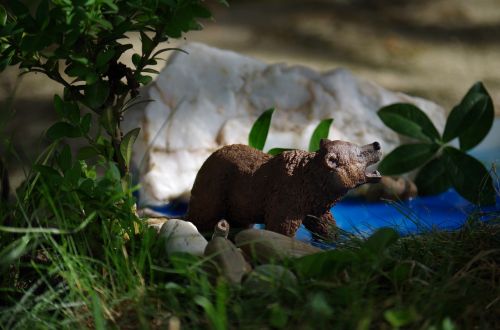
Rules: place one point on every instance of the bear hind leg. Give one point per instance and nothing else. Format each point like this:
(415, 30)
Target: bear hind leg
(323, 227)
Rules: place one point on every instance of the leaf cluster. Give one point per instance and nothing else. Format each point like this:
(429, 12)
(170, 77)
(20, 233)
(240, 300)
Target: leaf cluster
(258, 133)
(441, 165)
(81, 44)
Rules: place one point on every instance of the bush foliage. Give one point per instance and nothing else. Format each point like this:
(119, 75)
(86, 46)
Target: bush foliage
(441, 165)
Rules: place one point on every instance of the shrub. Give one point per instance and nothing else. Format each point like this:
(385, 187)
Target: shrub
(440, 165)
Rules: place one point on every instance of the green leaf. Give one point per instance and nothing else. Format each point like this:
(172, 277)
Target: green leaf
(455, 122)
(258, 134)
(471, 119)
(398, 317)
(479, 121)
(324, 264)
(469, 177)
(201, 11)
(147, 43)
(73, 175)
(320, 132)
(62, 129)
(87, 186)
(113, 173)
(42, 13)
(108, 120)
(406, 158)
(407, 119)
(72, 112)
(18, 8)
(85, 123)
(96, 94)
(277, 151)
(278, 317)
(77, 70)
(136, 59)
(127, 144)
(150, 71)
(91, 77)
(86, 153)
(80, 59)
(379, 241)
(64, 159)
(13, 251)
(3, 16)
(48, 172)
(144, 79)
(120, 49)
(103, 59)
(432, 179)
(158, 52)
(59, 105)
(34, 43)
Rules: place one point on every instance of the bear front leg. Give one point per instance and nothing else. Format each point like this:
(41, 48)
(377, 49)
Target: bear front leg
(323, 227)
(281, 219)
(286, 227)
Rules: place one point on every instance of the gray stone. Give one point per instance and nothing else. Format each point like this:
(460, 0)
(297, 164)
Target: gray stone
(267, 246)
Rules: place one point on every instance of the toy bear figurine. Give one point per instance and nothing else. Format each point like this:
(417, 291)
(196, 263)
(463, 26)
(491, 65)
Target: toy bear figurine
(247, 186)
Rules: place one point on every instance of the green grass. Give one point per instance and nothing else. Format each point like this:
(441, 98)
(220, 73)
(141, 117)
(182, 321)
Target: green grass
(60, 269)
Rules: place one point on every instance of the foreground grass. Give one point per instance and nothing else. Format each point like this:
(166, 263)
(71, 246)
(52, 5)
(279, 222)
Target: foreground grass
(439, 280)
(73, 255)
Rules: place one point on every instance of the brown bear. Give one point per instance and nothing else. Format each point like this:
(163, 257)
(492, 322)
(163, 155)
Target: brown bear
(246, 186)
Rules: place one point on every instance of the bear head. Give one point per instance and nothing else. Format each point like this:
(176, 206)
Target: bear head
(346, 163)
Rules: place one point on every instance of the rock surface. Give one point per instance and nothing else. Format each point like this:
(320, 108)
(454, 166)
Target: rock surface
(228, 259)
(211, 97)
(392, 188)
(182, 236)
(267, 246)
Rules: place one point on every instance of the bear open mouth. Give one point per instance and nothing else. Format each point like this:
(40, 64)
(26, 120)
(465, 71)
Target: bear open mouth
(371, 173)
(372, 153)
(373, 177)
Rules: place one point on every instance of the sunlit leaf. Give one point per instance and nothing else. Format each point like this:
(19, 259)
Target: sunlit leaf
(320, 132)
(258, 134)
(398, 317)
(127, 144)
(3, 16)
(277, 151)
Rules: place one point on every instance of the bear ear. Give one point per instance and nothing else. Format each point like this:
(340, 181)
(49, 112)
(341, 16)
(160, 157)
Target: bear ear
(331, 161)
(323, 143)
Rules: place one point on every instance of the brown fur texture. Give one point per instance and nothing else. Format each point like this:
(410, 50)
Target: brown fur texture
(246, 186)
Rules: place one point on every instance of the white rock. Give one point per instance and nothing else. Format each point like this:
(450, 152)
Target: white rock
(211, 98)
(182, 236)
